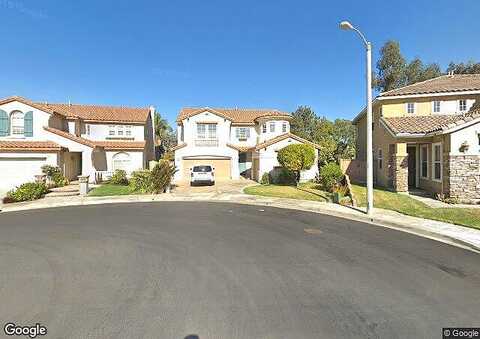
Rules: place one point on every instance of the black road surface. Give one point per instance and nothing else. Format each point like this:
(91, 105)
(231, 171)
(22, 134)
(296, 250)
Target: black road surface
(209, 270)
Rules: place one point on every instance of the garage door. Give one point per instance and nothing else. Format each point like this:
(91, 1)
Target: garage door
(222, 167)
(16, 171)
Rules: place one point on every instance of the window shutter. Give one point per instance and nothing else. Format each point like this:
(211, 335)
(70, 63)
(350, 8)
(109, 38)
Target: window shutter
(4, 123)
(28, 121)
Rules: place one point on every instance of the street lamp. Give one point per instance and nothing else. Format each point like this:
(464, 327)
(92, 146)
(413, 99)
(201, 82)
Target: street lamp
(345, 25)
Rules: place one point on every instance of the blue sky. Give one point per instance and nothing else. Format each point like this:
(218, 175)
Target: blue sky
(271, 54)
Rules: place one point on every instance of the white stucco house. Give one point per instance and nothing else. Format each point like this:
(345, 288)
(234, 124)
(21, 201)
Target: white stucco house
(235, 141)
(81, 139)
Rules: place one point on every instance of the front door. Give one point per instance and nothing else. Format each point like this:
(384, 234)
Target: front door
(412, 166)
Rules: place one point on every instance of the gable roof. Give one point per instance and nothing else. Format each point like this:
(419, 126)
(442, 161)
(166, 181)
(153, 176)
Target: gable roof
(36, 146)
(441, 84)
(236, 115)
(88, 112)
(429, 124)
(283, 137)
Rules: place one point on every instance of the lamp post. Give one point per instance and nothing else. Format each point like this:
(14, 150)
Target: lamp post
(348, 26)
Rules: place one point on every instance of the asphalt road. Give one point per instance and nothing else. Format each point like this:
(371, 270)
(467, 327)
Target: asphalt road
(205, 270)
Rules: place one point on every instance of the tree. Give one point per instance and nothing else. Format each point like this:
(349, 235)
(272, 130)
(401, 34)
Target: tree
(296, 158)
(470, 67)
(390, 67)
(304, 122)
(165, 136)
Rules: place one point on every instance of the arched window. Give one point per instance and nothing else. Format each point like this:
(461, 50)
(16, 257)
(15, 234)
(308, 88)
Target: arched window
(121, 161)
(17, 123)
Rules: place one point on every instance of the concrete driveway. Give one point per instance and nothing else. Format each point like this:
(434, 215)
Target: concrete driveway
(174, 269)
(220, 187)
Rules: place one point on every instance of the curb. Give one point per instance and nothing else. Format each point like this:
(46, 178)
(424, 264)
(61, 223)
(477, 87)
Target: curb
(375, 221)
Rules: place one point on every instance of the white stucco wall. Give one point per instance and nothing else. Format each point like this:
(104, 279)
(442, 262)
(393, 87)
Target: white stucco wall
(470, 135)
(99, 131)
(268, 159)
(40, 119)
(136, 160)
(251, 141)
(278, 130)
(452, 106)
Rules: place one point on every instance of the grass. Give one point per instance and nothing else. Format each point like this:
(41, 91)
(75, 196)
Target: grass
(110, 189)
(306, 191)
(404, 204)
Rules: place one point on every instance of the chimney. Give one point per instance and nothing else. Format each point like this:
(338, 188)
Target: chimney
(152, 110)
(69, 102)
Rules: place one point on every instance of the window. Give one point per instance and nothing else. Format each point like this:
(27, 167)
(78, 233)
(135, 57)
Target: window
(272, 127)
(437, 162)
(111, 130)
(380, 159)
(243, 133)
(264, 128)
(87, 129)
(201, 129)
(128, 131)
(411, 108)
(205, 131)
(424, 161)
(462, 105)
(120, 130)
(284, 127)
(436, 107)
(212, 131)
(17, 123)
(121, 161)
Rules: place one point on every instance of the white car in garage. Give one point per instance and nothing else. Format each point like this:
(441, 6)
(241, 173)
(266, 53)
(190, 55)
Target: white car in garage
(202, 174)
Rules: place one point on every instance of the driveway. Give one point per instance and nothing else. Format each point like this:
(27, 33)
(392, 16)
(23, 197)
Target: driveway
(220, 187)
(174, 269)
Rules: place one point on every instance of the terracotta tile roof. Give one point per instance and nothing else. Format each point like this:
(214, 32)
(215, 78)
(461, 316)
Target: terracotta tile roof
(118, 145)
(70, 136)
(441, 84)
(236, 115)
(241, 148)
(423, 125)
(108, 145)
(283, 137)
(182, 145)
(37, 146)
(26, 102)
(99, 113)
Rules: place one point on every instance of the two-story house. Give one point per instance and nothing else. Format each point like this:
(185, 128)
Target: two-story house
(427, 136)
(81, 139)
(235, 141)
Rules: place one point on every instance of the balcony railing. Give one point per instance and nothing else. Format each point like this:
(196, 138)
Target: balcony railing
(206, 142)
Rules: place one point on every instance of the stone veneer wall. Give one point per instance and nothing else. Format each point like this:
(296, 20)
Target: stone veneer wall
(462, 177)
(399, 172)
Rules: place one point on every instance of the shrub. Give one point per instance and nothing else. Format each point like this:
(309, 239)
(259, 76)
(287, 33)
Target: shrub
(119, 178)
(285, 177)
(27, 192)
(162, 176)
(330, 175)
(265, 179)
(59, 180)
(50, 171)
(296, 158)
(141, 181)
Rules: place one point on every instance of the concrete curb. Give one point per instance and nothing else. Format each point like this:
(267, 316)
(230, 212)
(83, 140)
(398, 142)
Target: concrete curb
(386, 219)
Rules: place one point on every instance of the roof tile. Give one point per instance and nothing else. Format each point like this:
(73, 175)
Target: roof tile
(236, 115)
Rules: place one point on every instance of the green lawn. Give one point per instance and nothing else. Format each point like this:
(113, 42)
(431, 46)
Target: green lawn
(110, 189)
(407, 205)
(306, 191)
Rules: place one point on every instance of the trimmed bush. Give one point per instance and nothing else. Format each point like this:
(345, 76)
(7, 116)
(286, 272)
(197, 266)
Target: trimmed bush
(330, 175)
(296, 158)
(141, 181)
(265, 179)
(285, 177)
(50, 171)
(27, 192)
(162, 176)
(59, 180)
(55, 176)
(119, 178)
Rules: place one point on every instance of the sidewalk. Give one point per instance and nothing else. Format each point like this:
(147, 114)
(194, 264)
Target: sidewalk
(460, 236)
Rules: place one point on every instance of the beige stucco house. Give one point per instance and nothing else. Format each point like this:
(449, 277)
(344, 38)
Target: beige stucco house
(425, 136)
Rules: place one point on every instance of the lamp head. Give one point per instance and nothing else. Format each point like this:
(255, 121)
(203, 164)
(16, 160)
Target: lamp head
(345, 25)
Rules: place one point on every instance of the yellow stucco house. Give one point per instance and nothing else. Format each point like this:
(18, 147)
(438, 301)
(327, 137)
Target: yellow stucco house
(425, 136)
